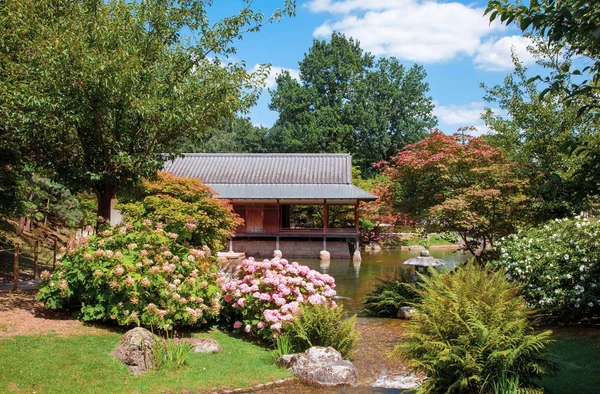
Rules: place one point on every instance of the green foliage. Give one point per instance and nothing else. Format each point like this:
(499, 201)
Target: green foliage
(135, 275)
(237, 135)
(470, 330)
(449, 236)
(102, 92)
(389, 295)
(322, 325)
(282, 347)
(348, 102)
(557, 267)
(553, 21)
(538, 134)
(186, 207)
(170, 354)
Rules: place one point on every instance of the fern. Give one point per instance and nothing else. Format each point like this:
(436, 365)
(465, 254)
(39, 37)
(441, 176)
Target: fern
(389, 295)
(473, 335)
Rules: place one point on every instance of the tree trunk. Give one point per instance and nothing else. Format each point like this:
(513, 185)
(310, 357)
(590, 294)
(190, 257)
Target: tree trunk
(105, 194)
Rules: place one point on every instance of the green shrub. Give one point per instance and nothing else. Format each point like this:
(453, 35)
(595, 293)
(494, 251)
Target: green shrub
(135, 275)
(389, 295)
(557, 267)
(449, 236)
(471, 329)
(321, 325)
(186, 207)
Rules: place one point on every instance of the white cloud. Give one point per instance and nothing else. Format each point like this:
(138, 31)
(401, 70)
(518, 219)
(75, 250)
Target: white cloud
(459, 114)
(415, 30)
(425, 31)
(275, 71)
(454, 116)
(495, 54)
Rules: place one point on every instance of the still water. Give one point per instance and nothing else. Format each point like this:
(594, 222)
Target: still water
(378, 336)
(354, 280)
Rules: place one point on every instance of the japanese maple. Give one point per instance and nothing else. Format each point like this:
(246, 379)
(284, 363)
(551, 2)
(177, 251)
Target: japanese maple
(457, 183)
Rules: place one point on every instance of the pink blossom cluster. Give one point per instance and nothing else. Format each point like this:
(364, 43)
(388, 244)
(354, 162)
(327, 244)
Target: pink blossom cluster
(270, 292)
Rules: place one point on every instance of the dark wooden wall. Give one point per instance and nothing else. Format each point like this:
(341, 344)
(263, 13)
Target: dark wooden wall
(258, 218)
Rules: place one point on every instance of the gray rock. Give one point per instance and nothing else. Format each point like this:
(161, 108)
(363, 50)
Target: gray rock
(135, 349)
(321, 366)
(204, 345)
(406, 312)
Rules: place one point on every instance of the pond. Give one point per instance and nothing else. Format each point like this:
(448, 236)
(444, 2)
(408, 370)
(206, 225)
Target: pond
(354, 280)
(378, 373)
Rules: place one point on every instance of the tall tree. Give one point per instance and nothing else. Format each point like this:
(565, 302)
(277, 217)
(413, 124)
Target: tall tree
(102, 92)
(236, 135)
(346, 101)
(537, 132)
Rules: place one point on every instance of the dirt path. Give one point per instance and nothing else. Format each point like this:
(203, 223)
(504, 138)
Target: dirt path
(22, 314)
(372, 359)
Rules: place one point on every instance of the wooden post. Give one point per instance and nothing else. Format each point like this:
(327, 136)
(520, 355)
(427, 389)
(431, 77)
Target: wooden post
(325, 217)
(55, 249)
(16, 267)
(356, 218)
(35, 259)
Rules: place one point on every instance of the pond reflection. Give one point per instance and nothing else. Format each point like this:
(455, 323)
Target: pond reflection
(354, 279)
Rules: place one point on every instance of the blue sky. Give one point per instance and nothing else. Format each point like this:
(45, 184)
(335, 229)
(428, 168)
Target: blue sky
(455, 43)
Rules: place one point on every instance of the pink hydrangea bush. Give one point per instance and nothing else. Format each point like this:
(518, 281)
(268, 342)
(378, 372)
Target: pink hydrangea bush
(136, 275)
(270, 292)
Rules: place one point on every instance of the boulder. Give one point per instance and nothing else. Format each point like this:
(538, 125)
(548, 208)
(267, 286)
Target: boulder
(406, 312)
(356, 257)
(135, 349)
(203, 345)
(321, 366)
(277, 253)
(324, 255)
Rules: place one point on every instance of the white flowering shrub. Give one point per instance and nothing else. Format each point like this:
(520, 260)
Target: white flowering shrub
(135, 275)
(557, 266)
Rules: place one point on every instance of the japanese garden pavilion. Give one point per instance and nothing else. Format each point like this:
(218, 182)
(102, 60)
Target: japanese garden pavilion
(286, 200)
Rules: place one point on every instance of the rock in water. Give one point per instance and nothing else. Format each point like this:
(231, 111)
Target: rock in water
(135, 349)
(406, 312)
(321, 366)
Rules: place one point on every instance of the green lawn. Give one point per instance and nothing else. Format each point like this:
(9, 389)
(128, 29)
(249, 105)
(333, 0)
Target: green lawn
(577, 354)
(83, 364)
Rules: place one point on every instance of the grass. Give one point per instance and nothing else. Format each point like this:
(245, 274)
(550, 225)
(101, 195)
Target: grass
(84, 364)
(577, 354)
(417, 241)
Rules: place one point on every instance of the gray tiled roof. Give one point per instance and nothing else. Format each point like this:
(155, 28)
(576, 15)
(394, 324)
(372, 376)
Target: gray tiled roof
(274, 168)
(273, 175)
(291, 192)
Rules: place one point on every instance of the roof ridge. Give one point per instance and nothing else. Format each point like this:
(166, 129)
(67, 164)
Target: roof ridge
(266, 154)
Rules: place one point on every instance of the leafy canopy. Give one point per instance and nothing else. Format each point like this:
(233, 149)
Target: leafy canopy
(102, 92)
(346, 101)
(571, 25)
(539, 133)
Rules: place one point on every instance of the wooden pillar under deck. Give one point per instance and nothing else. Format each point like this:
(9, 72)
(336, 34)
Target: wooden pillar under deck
(325, 217)
(356, 218)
